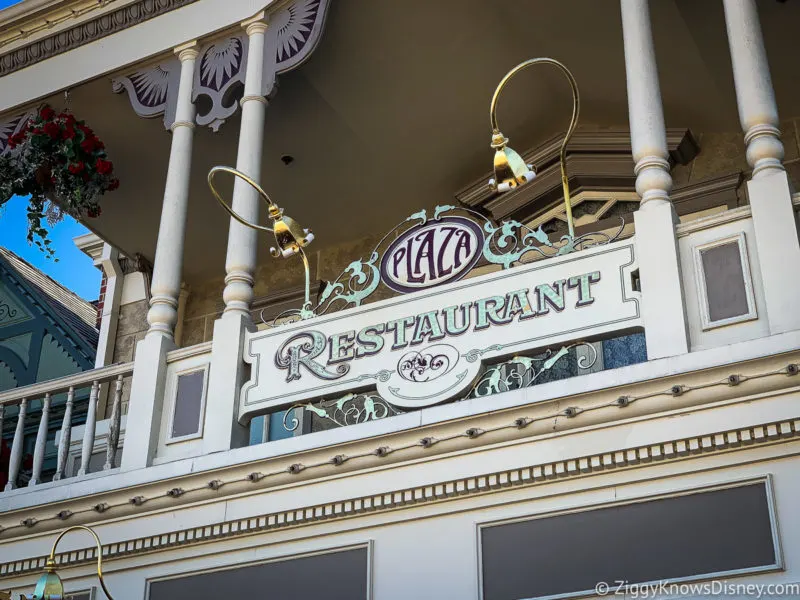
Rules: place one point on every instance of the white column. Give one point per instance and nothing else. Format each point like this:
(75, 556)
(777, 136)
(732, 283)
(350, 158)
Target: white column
(108, 261)
(89, 430)
(221, 430)
(166, 284)
(150, 363)
(240, 263)
(15, 460)
(758, 112)
(41, 442)
(663, 307)
(769, 190)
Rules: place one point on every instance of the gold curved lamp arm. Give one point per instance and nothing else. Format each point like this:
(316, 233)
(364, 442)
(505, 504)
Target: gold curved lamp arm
(213, 172)
(290, 237)
(50, 585)
(511, 159)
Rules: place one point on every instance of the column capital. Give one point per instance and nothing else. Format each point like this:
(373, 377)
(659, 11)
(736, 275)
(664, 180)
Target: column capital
(255, 24)
(187, 51)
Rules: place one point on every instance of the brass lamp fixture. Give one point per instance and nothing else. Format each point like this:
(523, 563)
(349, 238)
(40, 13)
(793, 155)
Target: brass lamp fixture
(290, 237)
(510, 171)
(50, 586)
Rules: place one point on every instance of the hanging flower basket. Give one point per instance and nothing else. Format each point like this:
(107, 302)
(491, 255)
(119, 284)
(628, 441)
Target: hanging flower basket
(62, 165)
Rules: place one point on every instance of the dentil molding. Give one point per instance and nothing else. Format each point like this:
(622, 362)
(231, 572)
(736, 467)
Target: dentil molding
(86, 32)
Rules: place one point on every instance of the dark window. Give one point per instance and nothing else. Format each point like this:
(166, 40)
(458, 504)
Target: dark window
(669, 538)
(188, 404)
(725, 286)
(623, 351)
(333, 576)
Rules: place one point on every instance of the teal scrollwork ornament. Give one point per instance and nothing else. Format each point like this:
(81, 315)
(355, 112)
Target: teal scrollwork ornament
(524, 371)
(349, 409)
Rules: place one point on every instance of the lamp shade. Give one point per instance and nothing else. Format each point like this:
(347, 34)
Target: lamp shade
(509, 168)
(49, 586)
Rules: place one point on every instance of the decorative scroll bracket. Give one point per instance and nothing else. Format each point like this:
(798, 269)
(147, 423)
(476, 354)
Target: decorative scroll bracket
(292, 36)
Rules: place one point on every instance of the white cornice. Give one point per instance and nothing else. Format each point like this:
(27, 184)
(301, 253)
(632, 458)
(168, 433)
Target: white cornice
(35, 19)
(131, 493)
(127, 45)
(90, 244)
(537, 474)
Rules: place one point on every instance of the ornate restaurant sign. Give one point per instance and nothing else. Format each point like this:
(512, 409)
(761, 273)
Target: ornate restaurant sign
(432, 343)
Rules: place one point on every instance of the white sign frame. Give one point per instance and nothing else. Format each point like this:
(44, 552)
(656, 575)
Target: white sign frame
(590, 295)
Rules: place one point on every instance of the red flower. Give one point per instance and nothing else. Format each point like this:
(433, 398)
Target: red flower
(76, 168)
(16, 139)
(52, 130)
(104, 167)
(94, 211)
(47, 113)
(89, 144)
(114, 184)
(68, 133)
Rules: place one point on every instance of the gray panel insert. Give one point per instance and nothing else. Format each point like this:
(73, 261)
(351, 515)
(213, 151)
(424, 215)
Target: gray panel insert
(188, 403)
(685, 536)
(725, 285)
(341, 575)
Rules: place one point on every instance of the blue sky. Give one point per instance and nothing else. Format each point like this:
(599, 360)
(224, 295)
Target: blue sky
(74, 269)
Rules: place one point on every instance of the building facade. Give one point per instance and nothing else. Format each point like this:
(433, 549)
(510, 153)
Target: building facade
(46, 332)
(571, 375)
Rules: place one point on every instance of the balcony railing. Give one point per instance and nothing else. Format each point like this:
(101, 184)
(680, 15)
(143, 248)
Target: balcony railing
(75, 398)
(171, 423)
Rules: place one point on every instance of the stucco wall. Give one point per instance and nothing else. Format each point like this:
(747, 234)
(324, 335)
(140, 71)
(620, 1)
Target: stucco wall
(131, 328)
(205, 303)
(724, 153)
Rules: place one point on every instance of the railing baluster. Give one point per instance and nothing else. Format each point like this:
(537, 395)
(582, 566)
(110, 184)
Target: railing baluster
(41, 441)
(16, 447)
(88, 434)
(113, 432)
(66, 436)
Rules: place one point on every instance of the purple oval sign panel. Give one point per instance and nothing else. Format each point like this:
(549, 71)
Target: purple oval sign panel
(431, 254)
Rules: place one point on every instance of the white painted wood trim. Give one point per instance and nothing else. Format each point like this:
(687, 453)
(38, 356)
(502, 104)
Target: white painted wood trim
(701, 282)
(172, 397)
(683, 448)
(189, 351)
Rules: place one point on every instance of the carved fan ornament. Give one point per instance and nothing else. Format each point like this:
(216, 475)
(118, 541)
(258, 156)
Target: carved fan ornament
(221, 66)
